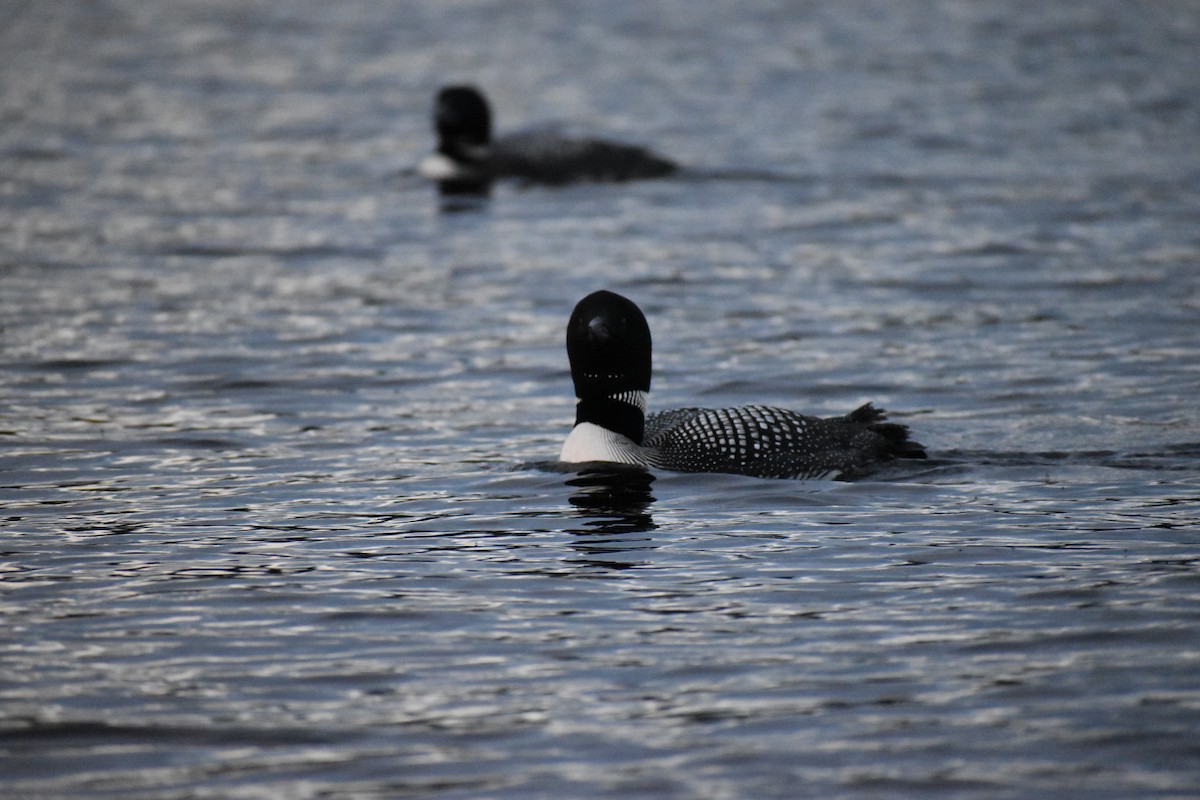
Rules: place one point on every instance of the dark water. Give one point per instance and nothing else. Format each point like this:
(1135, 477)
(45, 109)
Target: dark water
(276, 517)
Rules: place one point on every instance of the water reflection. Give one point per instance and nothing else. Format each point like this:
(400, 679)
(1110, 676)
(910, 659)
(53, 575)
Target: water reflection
(463, 195)
(614, 503)
(615, 498)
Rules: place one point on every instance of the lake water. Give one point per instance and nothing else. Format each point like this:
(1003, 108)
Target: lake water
(279, 517)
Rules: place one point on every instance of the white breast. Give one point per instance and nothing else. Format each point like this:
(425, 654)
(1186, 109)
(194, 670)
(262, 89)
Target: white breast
(590, 442)
(438, 167)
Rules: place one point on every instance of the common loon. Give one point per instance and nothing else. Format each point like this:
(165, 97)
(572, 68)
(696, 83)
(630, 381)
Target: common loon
(608, 345)
(467, 156)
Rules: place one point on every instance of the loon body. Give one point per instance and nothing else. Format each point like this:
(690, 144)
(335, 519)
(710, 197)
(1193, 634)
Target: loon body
(609, 347)
(467, 155)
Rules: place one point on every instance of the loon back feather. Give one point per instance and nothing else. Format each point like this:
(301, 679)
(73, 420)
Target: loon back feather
(773, 442)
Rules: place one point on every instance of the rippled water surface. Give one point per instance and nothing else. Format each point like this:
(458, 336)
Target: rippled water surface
(279, 512)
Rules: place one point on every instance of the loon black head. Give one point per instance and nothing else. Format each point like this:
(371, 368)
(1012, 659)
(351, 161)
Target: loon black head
(608, 345)
(463, 121)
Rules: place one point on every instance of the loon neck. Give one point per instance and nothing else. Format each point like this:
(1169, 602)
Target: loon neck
(463, 150)
(623, 413)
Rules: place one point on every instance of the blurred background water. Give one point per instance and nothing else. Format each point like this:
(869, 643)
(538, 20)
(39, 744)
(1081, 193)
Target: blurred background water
(275, 421)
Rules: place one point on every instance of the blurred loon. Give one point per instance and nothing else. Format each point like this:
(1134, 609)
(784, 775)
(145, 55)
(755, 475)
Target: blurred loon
(467, 155)
(608, 345)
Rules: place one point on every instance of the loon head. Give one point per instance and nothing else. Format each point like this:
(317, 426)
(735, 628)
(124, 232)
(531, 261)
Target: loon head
(608, 345)
(463, 121)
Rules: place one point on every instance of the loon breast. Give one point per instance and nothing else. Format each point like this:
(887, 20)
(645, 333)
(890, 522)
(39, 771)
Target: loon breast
(440, 167)
(591, 442)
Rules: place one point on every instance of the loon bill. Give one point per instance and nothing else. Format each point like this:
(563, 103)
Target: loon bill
(609, 347)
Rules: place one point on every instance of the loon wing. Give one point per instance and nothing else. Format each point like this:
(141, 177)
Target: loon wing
(546, 157)
(768, 442)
